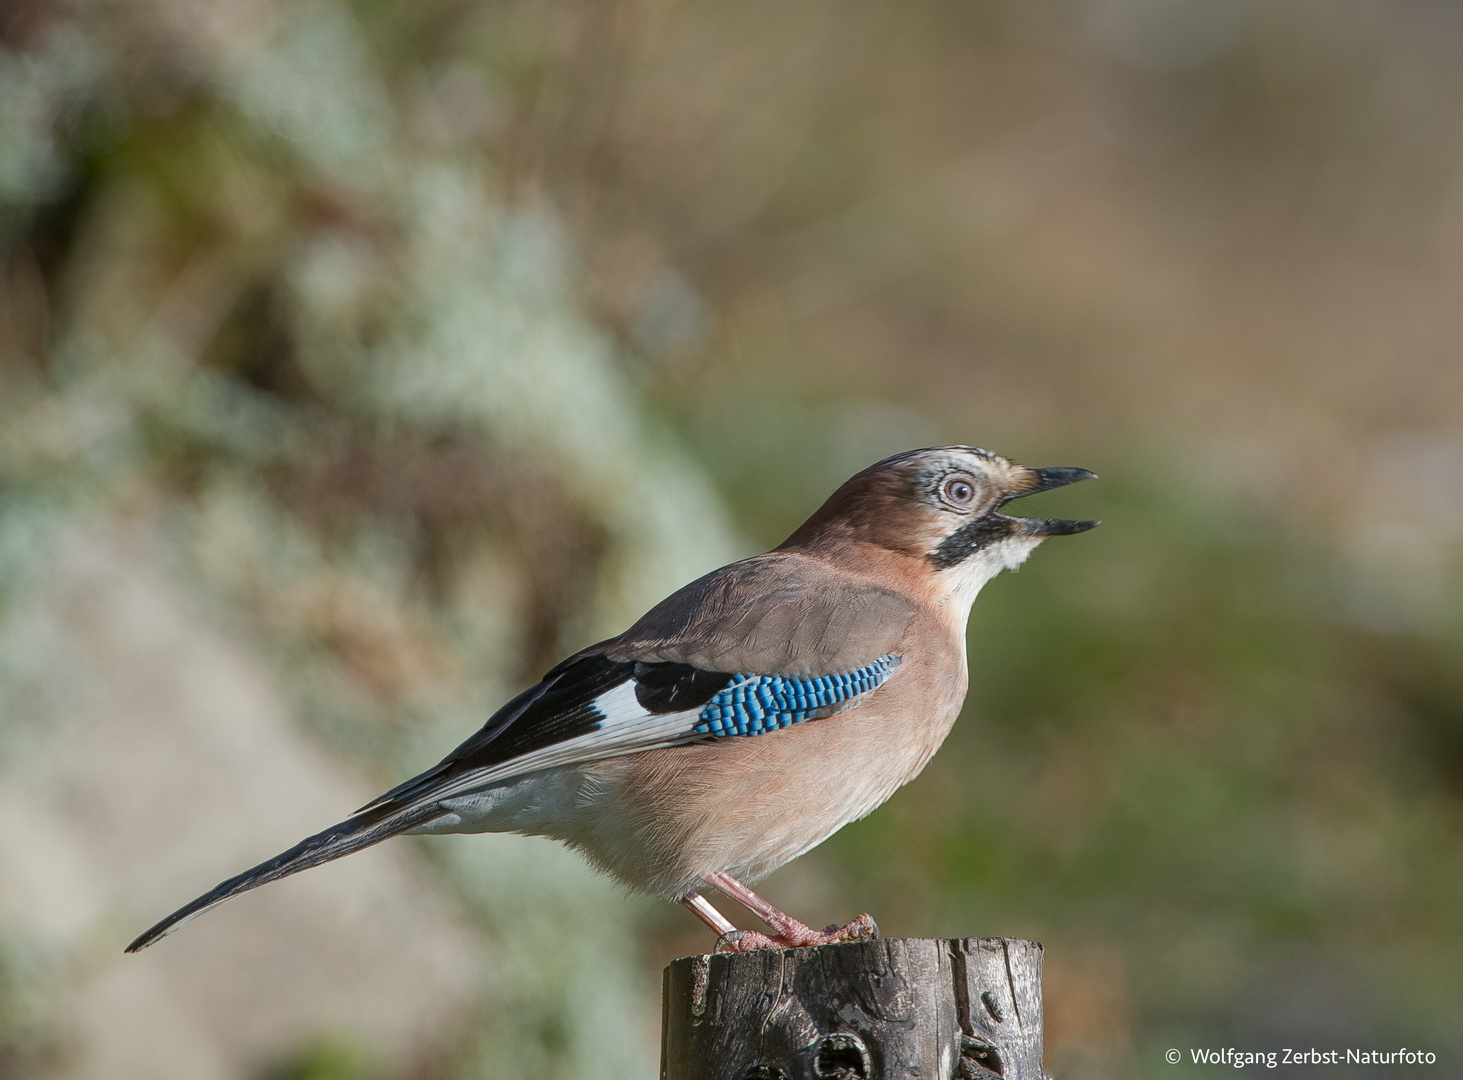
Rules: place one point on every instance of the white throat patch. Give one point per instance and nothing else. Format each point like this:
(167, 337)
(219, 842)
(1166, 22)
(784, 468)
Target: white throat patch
(966, 579)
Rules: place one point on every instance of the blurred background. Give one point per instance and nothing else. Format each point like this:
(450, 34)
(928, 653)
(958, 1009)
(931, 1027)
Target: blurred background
(359, 360)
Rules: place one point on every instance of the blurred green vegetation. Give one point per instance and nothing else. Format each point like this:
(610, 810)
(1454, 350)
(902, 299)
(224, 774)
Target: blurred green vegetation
(430, 341)
(326, 1060)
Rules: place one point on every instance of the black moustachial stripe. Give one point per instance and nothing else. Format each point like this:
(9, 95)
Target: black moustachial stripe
(970, 538)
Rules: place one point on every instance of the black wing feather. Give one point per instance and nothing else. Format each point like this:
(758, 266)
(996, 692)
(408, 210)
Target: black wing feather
(561, 707)
(670, 687)
(558, 708)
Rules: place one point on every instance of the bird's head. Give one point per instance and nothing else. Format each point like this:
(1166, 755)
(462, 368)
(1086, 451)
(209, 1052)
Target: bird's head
(941, 505)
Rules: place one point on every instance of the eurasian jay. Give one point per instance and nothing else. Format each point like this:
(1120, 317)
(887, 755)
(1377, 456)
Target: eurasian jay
(747, 717)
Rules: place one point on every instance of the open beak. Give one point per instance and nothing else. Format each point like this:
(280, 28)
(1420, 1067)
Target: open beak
(1045, 480)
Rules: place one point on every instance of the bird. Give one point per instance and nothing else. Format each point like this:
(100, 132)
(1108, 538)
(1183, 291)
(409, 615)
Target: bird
(745, 718)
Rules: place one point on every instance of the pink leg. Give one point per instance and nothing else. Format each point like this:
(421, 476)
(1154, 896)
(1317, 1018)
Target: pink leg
(790, 932)
(715, 921)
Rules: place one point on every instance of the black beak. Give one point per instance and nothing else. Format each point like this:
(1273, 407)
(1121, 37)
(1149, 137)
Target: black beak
(1046, 479)
(1055, 478)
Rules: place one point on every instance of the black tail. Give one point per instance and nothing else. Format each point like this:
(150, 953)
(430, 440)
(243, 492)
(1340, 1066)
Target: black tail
(353, 834)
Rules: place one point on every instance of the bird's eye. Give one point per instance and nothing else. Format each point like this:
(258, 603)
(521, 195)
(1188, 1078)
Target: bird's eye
(958, 490)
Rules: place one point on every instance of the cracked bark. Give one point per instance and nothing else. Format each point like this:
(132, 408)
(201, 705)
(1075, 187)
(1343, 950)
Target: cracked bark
(947, 1008)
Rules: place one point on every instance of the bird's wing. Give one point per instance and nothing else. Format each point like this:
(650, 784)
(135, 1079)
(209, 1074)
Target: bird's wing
(777, 614)
(751, 648)
(596, 708)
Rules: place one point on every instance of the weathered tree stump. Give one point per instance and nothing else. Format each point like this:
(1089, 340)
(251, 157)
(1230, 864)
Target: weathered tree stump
(932, 1008)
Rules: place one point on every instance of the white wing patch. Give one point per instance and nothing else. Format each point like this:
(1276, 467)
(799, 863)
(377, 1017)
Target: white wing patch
(627, 728)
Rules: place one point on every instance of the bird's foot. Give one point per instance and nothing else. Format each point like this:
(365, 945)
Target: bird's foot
(795, 935)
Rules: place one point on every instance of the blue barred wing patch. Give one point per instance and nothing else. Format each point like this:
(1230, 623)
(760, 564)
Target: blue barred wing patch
(756, 704)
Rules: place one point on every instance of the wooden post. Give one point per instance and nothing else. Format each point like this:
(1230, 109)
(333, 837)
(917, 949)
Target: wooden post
(895, 1008)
